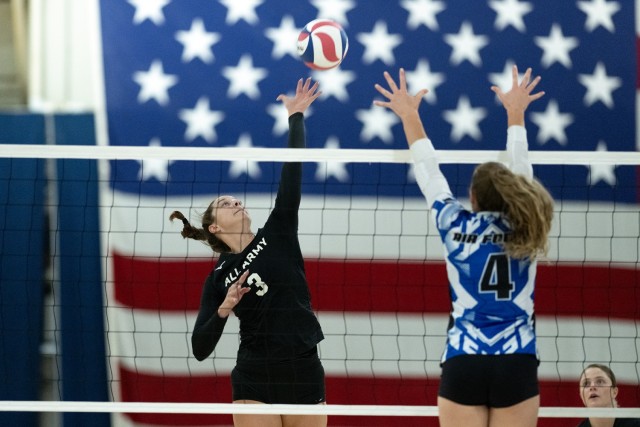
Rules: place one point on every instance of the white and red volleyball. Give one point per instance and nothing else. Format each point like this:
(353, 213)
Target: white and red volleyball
(322, 44)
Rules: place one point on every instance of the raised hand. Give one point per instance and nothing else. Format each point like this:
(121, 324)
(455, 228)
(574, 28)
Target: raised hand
(404, 105)
(400, 101)
(305, 95)
(518, 98)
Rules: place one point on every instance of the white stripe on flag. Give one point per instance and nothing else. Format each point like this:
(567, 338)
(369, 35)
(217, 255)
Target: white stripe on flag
(368, 228)
(374, 344)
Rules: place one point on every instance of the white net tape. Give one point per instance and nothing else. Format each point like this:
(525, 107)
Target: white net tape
(228, 408)
(306, 155)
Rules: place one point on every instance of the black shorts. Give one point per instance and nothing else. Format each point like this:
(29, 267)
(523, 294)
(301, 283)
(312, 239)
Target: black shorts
(297, 381)
(493, 381)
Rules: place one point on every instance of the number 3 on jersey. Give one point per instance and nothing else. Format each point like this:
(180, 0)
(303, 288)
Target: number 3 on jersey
(496, 277)
(255, 280)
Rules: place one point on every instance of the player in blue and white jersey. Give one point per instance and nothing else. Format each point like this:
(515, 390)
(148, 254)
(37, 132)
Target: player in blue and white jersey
(489, 365)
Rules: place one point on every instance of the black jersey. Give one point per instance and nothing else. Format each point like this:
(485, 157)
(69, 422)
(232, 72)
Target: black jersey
(618, 422)
(276, 318)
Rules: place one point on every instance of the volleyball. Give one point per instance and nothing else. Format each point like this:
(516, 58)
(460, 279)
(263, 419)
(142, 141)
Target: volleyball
(322, 44)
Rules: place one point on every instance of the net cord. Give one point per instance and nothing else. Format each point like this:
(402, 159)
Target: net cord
(229, 408)
(342, 155)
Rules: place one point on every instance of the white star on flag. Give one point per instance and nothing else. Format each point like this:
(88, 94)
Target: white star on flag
(504, 79)
(599, 13)
(465, 120)
(241, 9)
(197, 42)
(334, 83)
(284, 38)
(466, 45)
(601, 172)
(154, 168)
(245, 167)
(201, 121)
(149, 9)
(335, 169)
(411, 173)
(154, 84)
(279, 114)
(423, 12)
(510, 12)
(423, 78)
(379, 44)
(377, 122)
(556, 47)
(599, 86)
(281, 117)
(244, 78)
(552, 124)
(334, 9)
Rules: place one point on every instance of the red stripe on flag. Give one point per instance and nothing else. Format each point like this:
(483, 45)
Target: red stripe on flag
(137, 387)
(159, 283)
(381, 286)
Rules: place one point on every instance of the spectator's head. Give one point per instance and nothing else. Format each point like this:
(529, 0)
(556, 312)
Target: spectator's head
(598, 387)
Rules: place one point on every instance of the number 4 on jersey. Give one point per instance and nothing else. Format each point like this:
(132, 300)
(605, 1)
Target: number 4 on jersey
(496, 277)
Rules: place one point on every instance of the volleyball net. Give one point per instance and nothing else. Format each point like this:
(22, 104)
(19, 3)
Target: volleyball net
(87, 246)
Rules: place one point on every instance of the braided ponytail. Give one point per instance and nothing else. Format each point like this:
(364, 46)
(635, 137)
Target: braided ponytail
(202, 234)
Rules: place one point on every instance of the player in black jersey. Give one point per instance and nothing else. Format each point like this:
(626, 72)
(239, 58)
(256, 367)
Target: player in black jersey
(261, 278)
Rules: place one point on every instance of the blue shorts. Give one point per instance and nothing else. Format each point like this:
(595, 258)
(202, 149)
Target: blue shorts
(492, 381)
(297, 381)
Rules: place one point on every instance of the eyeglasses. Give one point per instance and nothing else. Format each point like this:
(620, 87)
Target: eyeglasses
(598, 382)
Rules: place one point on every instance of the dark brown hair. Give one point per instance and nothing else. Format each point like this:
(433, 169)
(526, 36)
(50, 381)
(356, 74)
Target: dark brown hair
(604, 368)
(527, 205)
(202, 234)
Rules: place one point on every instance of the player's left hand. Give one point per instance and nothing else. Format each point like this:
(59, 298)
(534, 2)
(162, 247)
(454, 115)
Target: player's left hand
(305, 95)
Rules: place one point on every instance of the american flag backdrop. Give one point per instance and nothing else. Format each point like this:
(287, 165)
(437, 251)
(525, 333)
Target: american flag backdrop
(206, 73)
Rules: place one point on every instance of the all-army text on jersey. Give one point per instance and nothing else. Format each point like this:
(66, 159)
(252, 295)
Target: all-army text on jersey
(233, 275)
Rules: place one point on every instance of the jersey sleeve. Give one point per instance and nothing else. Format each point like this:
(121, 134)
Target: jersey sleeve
(209, 326)
(518, 151)
(290, 188)
(432, 183)
(447, 212)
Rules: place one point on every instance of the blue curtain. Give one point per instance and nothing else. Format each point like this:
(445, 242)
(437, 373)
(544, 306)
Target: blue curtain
(81, 292)
(22, 238)
(23, 254)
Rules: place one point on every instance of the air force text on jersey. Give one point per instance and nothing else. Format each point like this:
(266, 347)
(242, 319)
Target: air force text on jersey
(493, 238)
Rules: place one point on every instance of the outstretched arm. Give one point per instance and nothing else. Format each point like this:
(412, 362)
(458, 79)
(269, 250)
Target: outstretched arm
(430, 179)
(516, 102)
(289, 190)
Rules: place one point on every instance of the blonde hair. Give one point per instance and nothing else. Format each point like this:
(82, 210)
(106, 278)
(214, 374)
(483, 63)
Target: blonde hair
(525, 202)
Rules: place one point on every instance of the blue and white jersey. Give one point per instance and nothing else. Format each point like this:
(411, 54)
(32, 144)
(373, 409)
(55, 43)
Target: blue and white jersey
(492, 295)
